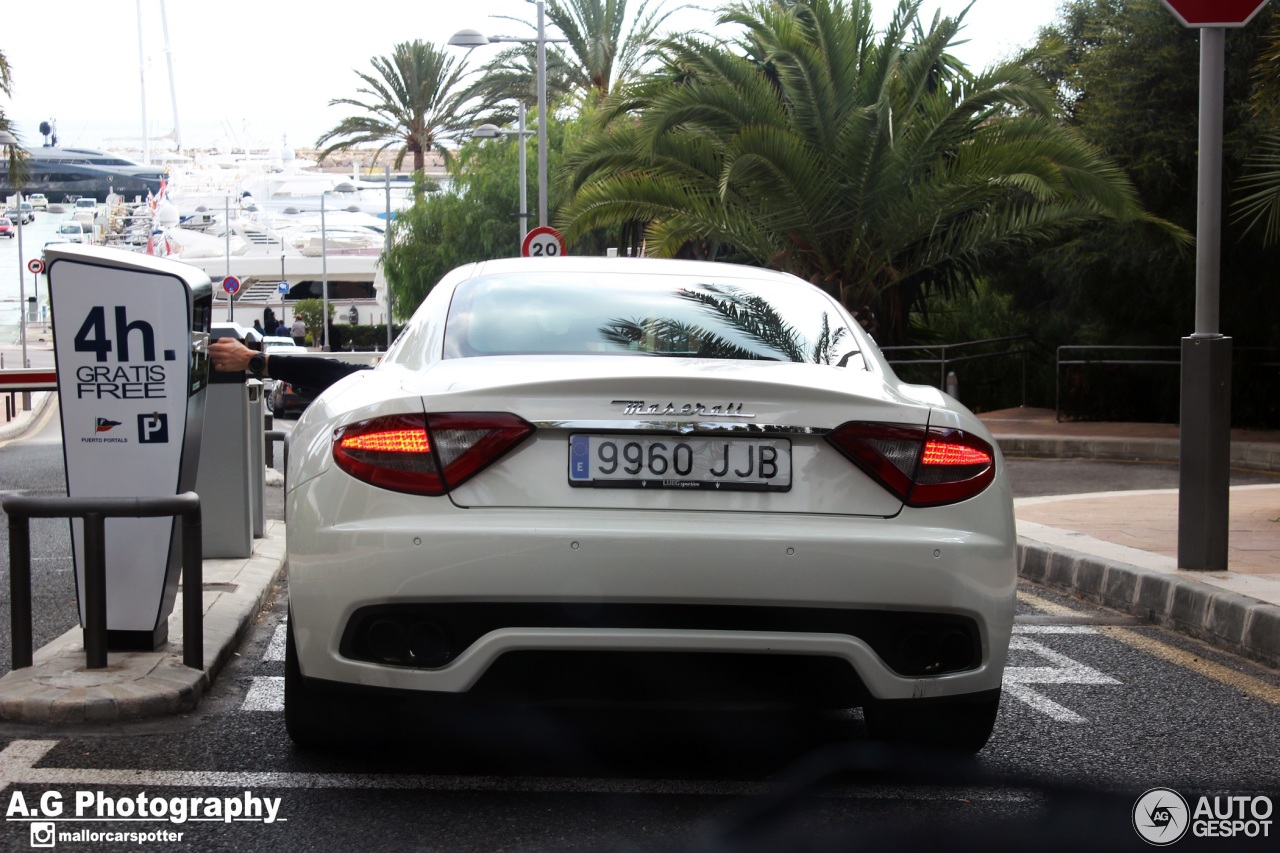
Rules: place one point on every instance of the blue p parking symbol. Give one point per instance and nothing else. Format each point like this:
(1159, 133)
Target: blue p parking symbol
(153, 428)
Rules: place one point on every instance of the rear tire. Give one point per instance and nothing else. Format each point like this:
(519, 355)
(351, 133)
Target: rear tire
(319, 718)
(961, 724)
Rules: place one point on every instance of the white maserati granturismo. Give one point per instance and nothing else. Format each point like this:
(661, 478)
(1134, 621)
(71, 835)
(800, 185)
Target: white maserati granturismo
(644, 481)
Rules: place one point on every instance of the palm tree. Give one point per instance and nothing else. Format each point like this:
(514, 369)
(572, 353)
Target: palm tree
(607, 48)
(5, 80)
(17, 161)
(1260, 208)
(413, 100)
(881, 171)
(610, 47)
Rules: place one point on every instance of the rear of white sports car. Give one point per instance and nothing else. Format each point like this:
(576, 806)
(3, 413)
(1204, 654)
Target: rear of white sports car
(639, 481)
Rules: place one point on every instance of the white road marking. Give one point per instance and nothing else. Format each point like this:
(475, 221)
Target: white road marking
(18, 760)
(266, 693)
(1064, 671)
(1043, 704)
(275, 650)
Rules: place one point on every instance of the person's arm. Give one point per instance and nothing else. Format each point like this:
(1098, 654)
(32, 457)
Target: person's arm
(231, 356)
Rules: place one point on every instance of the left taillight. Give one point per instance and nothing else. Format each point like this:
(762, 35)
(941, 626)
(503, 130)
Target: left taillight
(426, 454)
(923, 466)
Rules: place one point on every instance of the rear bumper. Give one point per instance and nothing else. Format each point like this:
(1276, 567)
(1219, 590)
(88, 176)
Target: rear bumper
(431, 553)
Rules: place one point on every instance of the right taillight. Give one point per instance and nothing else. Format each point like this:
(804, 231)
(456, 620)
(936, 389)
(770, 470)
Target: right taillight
(425, 454)
(923, 466)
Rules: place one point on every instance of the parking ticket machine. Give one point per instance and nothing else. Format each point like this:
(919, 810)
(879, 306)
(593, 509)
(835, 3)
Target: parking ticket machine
(131, 338)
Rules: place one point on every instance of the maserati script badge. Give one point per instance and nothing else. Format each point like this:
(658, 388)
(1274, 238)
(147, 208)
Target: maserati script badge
(692, 410)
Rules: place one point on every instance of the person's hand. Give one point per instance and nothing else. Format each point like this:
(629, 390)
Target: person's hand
(229, 355)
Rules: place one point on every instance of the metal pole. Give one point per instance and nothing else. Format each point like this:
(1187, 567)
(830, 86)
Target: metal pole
(192, 588)
(544, 123)
(173, 91)
(1209, 182)
(1205, 432)
(283, 315)
(95, 590)
(35, 292)
(142, 88)
(386, 233)
(22, 298)
(524, 171)
(226, 230)
(20, 590)
(324, 279)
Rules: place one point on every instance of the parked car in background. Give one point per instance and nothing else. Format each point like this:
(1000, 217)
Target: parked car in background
(54, 242)
(38, 201)
(597, 481)
(25, 215)
(290, 401)
(71, 232)
(6, 228)
(86, 205)
(276, 343)
(272, 344)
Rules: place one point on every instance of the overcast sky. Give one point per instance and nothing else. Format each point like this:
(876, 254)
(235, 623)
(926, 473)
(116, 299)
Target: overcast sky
(254, 71)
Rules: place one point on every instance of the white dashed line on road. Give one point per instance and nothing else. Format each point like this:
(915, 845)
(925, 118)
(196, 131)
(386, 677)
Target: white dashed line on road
(1063, 670)
(266, 693)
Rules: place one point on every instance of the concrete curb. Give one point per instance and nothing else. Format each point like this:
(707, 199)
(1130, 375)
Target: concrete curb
(1249, 455)
(1220, 617)
(59, 689)
(19, 426)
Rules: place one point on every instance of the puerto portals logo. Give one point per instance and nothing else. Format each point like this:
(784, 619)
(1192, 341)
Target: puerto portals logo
(1160, 816)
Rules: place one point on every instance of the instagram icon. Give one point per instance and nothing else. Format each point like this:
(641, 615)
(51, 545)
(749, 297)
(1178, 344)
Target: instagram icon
(42, 834)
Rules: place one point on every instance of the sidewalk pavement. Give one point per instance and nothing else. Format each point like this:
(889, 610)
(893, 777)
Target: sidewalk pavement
(1117, 549)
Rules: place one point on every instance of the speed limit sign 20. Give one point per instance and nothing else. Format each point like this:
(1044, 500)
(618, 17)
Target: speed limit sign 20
(543, 242)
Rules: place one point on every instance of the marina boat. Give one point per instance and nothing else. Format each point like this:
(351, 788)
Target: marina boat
(66, 174)
(355, 284)
(278, 259)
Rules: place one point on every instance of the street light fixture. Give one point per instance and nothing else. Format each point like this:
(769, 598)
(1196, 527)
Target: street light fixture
(474, 38)
(492, 131)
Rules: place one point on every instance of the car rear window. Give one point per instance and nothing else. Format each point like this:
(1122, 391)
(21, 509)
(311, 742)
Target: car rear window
(644, 316)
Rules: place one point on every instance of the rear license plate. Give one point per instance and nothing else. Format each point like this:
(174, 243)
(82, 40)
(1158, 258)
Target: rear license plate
(680, 462)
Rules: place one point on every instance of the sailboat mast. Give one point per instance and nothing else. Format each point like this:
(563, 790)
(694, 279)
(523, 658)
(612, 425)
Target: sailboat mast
(173, 89)
(142, 81)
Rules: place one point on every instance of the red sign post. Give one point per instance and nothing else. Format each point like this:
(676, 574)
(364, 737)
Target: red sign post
(1214, 13)
(1204, 440)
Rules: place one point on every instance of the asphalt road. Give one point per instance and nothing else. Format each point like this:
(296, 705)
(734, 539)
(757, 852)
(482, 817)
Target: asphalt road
(1104, 709)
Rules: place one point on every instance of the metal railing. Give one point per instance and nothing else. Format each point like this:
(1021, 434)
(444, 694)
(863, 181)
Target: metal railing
(1244, 358)
(1060, 362)
(270, 437)
(95, 512)
(942, 355)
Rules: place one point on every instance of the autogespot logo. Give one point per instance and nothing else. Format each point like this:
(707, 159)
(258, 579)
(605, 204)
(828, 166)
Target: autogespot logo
(1161, 817)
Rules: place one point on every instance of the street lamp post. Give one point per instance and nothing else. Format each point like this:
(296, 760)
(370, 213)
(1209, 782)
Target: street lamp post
(9, 141)
(475, 38)
(324, 281)
(492, 131)
(386, 236)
